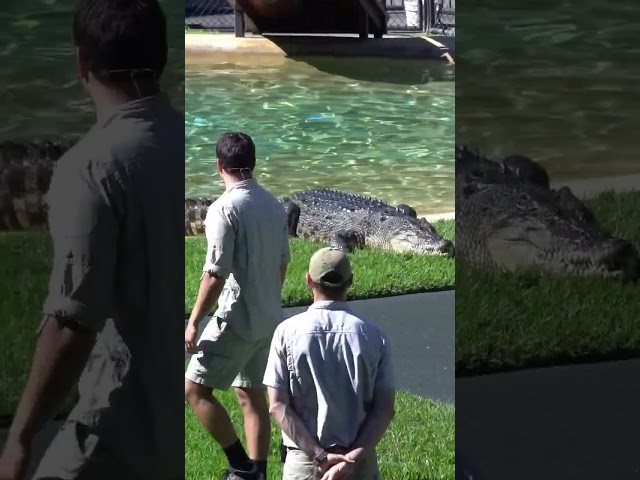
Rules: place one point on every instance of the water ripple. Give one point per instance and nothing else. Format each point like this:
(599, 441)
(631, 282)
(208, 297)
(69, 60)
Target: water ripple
(313, 128)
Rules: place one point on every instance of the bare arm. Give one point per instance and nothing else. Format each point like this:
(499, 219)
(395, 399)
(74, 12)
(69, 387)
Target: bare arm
(84, 232)
(59, 359)
(376, 423)
(285, 256)
(290, 423)
(382, 410)
(208, 294)
(218, 263)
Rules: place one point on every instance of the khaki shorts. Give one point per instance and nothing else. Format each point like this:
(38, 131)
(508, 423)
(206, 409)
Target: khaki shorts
(226, 360)
(299, 467)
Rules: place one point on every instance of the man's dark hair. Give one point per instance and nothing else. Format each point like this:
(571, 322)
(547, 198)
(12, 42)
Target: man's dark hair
(236, 151)
(121, 35)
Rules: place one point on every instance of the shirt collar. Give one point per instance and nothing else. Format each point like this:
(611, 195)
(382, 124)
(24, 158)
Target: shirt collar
(136, 107)
(242, 184)
(329, 305)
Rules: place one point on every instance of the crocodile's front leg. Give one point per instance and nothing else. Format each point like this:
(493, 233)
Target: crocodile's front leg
(293, 215)
(346, 240)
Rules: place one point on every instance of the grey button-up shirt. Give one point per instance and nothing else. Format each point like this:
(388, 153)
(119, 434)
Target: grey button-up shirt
(247, 243)
(330, 361)
(116, 219)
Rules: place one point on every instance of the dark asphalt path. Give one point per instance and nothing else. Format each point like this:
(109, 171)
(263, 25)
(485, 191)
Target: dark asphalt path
(421, 328)
(576, 422)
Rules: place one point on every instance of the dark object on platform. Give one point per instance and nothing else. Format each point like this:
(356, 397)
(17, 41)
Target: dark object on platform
(312, 16)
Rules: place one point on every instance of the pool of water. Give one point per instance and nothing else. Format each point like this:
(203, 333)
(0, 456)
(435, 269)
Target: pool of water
(370, 126)
(41, 95)
(555, 80)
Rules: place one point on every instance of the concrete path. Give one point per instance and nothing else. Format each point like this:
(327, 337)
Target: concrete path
(575, 422)
(422, 331)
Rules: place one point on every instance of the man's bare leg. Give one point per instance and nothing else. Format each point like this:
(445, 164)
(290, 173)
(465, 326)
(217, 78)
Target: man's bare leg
(257, 424)
(215, 419)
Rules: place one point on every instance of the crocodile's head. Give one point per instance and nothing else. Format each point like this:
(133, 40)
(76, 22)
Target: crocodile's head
(558, 234)
(511, 218)
(405, 234)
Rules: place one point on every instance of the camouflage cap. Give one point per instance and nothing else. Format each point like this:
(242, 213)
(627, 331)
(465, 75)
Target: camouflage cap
(330, 267)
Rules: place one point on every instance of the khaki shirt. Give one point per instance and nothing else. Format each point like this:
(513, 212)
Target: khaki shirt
(116, 219)
(247, 243)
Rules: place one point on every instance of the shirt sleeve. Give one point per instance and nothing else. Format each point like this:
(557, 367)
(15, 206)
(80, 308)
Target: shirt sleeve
(276, 374)
(84, 233)
(221, 238)
(286, 251)
(385, 378)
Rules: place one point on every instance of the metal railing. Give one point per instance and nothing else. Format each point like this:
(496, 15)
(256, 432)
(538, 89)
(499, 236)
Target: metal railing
(430, 16)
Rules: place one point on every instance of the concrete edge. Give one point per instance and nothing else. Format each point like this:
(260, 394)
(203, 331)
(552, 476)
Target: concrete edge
(434, 217)
(592, 187)
(399, 47)
(298, 307)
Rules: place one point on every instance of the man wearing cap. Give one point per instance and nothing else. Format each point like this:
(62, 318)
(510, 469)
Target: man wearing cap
(330, 381)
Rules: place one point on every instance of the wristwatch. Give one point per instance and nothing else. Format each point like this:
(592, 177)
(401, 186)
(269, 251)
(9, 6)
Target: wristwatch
(320, 458)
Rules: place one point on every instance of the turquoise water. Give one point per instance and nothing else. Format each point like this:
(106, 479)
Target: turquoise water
(41, 95)
(555, 80)
(370, 126)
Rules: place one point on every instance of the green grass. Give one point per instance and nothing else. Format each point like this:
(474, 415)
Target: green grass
(512, 321)
(376, 274)
(26, 261)
(419, 444)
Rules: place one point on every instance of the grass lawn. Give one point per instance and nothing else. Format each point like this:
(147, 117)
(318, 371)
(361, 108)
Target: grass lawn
(419, 445)
(24, 275)
(376, 274)
(511, 321)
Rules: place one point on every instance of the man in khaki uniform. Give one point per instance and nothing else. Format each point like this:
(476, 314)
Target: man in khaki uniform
(247, 258)
(116, 289)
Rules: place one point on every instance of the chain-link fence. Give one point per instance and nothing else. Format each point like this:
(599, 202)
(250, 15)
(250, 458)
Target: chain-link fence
(440, 16)
(433, 16)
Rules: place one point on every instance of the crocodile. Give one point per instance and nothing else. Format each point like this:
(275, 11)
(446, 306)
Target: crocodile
(347, 221)
(508, 217)
(344, 220)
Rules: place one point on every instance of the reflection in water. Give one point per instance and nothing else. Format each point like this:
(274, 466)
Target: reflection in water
(571, 102)
(387, 133)
(41, 96)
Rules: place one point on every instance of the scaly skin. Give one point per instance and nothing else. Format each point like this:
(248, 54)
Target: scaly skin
(348, 221)
(25, 173)
(352, 224)
(507, 217)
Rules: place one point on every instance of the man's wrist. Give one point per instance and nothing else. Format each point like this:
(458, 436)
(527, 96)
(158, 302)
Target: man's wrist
(19, 437)
(319, 455)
